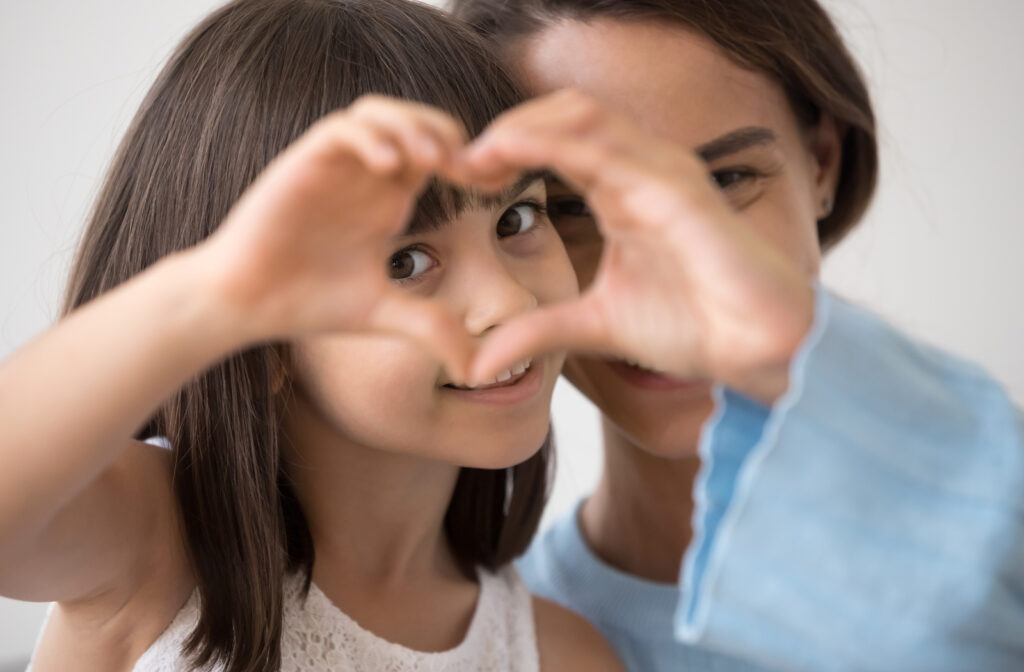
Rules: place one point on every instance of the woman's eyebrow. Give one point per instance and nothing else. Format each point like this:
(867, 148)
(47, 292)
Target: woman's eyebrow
(735, 141)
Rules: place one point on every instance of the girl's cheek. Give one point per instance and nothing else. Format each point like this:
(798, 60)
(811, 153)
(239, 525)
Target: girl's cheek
(530, 244)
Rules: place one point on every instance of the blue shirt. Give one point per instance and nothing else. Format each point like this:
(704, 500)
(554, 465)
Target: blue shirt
(871, 519)
(634, 615)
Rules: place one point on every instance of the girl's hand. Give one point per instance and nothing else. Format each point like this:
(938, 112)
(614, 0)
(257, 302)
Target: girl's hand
(685, 286)
(305, 249)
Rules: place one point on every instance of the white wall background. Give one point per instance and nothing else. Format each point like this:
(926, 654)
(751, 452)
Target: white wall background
(940, 253)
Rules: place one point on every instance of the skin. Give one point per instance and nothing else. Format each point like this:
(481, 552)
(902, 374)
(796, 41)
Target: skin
(638, 81)
(87, 516)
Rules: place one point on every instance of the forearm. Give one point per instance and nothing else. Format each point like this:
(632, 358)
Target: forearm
(72, 398)
(886, 481)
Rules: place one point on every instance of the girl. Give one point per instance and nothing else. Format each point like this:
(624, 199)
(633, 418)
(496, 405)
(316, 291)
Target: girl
(860, 502)
(250, 293)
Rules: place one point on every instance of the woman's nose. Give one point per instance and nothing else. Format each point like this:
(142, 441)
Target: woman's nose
(494, 296)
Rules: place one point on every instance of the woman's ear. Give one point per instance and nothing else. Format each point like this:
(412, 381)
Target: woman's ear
(825, 141)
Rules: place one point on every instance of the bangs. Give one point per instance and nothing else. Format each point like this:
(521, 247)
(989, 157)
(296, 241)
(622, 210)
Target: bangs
(442, 202)
(385, 53)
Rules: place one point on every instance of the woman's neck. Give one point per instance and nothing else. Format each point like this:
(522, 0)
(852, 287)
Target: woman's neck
(638, 518)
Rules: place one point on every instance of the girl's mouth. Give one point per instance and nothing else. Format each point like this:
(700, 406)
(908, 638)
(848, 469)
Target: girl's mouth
(514, 385)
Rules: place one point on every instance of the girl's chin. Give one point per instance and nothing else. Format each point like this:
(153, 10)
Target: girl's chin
(486, 454)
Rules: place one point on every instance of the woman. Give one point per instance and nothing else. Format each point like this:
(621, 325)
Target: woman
(859, 507)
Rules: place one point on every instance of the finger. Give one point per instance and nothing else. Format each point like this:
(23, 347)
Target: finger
(576, 325)
(339, 135)
(626, 191)
(428, 324)
(564, 112)
(448, 129)
(582, 161)
(427, 137)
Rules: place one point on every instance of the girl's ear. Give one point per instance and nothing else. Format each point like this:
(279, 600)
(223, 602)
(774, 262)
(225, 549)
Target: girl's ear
(826, 147)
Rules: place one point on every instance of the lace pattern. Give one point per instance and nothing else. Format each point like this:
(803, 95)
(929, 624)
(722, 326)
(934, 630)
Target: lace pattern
(319, 637)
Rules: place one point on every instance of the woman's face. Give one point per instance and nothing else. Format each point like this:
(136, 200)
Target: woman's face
(680, 86)
(486, 266)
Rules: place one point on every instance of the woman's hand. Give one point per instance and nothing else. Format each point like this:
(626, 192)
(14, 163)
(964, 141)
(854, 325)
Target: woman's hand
(685, 286)
(305, 248)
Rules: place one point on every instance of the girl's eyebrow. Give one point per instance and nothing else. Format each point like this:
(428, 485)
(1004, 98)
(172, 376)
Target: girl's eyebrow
(735, 141)
(506, 196)
(457, 201)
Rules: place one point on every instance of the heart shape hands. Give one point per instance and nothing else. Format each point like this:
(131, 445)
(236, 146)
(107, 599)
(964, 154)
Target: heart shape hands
(685, 285)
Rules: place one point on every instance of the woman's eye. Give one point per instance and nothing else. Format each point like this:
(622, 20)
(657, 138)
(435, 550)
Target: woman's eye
(520, 218)
(408, 263)
(725, 179)
(567, 207)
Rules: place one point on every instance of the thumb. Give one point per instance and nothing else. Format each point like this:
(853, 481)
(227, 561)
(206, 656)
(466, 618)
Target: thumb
(574, 325)
(428, 324)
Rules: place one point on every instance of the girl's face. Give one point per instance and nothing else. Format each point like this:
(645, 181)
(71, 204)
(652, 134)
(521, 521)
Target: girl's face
(486, 266)
(679, 85)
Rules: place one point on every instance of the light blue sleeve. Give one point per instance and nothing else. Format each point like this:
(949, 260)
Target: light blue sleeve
(872, 519)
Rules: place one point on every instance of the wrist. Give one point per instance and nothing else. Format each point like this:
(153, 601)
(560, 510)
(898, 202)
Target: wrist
(765, 376)
(195, 303)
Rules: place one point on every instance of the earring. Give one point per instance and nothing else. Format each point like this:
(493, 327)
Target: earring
(826, 207)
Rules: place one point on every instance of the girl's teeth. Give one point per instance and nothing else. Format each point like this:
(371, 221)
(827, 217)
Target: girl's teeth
(516, 370)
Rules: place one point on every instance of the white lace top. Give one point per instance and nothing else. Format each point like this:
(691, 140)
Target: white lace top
(319, 637)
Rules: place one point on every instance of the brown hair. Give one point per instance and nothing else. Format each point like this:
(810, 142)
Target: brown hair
(240, 87)
(794, 42)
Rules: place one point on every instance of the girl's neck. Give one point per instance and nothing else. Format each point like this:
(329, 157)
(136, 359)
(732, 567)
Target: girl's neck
(638, 518)
(376, 517)
(377, 522)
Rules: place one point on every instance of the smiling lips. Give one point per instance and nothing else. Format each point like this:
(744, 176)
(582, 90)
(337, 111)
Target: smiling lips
(511, 386)
(503, 379)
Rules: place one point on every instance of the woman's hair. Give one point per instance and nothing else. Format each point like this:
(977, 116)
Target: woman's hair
(794, 42)
(241, 86)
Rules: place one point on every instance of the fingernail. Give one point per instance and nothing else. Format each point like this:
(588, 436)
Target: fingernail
(429, 149)
(474, 152)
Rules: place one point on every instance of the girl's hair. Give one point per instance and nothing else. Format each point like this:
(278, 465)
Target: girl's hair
(794, 42)
(241, 86)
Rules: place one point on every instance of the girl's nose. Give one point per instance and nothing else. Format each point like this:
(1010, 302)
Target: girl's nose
(494, 296)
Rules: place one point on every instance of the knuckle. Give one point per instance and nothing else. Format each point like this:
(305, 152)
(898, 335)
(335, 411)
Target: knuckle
(369, 102)
(586, 113)
(335, 118)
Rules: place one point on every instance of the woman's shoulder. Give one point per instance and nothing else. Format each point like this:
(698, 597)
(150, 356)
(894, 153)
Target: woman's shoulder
(566, 641)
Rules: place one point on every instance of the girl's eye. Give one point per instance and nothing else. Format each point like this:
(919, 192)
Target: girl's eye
(567, 207)
(520, 218)
(409, 263)
(725, 179)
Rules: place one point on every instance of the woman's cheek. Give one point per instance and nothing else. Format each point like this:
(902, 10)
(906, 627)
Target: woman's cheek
(551, 277)
(586, 258)
(782, 219)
